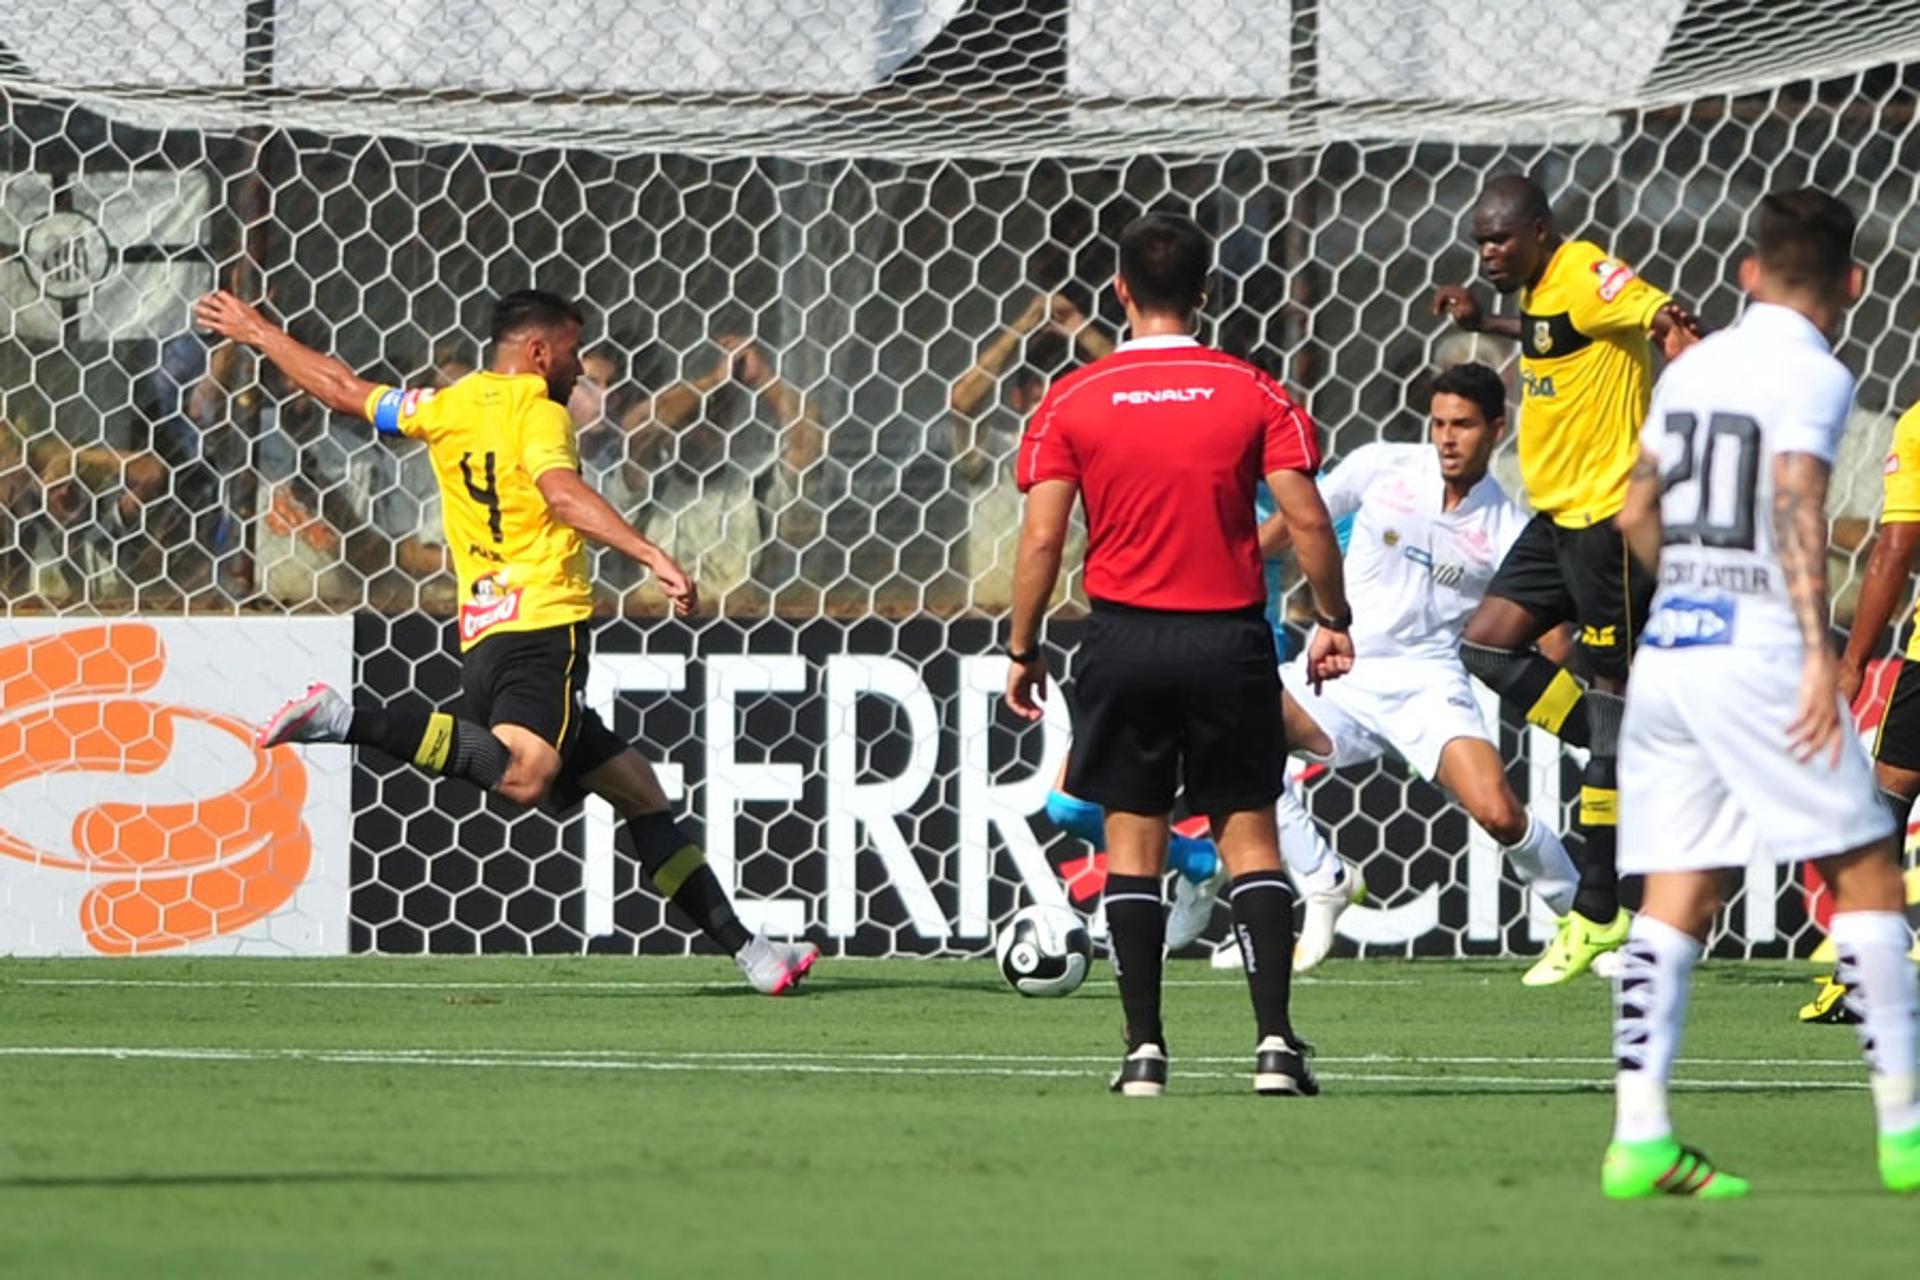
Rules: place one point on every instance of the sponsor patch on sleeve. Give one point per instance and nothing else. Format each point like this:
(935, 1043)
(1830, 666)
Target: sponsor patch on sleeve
(1612, 275)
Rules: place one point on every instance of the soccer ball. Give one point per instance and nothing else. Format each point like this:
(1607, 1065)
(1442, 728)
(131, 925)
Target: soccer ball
(1044, 951)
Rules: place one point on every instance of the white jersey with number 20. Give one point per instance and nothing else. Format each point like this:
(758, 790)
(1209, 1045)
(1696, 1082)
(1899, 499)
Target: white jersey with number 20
(1708, 777)
(1767, 386)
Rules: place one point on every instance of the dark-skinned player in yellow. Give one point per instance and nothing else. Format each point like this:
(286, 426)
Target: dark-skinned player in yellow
(517, 516)
(1896, 745)
(1587, 326)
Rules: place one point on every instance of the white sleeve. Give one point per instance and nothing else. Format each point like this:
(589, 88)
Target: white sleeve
(1513, 519)
(1812, 421)
(1341, 488)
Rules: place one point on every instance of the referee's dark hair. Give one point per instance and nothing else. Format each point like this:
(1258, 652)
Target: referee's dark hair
(1475, 382)
(532, 308)
(1804, 239)
(1165, 258)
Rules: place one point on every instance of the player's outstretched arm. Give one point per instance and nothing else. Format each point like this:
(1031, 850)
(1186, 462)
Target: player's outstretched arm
(1317, 548)
(593, 518)
(1639, 518)
(320, 376)
(1800, 539)
(1888, 568)
(1458, 301)
(1674, 329)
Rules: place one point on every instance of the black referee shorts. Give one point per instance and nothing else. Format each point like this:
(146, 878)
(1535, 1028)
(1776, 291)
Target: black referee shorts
(538, 680)
(1165, 699)
(1583, 576)
(1897, 742)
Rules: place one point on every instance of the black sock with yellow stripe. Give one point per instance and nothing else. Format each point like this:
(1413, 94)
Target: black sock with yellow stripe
(678, 868)
(433, 740)
(1541, 691)
(1598, 859)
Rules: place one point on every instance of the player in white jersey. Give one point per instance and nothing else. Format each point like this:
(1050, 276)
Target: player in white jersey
(1735, 742)
(1430, 526)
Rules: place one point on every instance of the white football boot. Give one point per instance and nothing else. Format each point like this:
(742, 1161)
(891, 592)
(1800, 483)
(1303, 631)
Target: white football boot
(1324, 907)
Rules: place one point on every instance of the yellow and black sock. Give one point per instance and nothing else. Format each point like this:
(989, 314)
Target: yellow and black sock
(678, 868)
(434, 741)
(1598, 860)
(1542, 692)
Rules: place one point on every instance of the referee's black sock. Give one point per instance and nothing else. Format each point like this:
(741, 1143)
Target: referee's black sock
(1541, 691)
(678, 868)
(432, 740)
(1262, 903)
(1137, 935)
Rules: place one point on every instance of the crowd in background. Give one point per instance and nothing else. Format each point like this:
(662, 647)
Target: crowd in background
(230, 489)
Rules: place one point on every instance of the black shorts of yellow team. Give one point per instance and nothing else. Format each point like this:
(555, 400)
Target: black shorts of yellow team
(1584, 577)
(1168, 702)
(538, 680)
(1897, 741)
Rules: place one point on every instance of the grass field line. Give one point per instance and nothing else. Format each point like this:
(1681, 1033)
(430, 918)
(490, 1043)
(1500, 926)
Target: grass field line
(782, 1062)
(1227, 981)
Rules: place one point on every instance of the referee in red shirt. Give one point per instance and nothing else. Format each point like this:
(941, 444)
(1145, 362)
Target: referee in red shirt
(1164, 441)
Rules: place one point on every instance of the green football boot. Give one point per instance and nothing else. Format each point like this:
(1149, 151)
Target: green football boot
(1575, 946)
(1900, 1160)
(1662, 1167)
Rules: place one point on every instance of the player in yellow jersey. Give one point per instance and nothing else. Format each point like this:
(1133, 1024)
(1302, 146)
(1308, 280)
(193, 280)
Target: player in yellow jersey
(1896, 745)
(1586, 326)
(517, 515)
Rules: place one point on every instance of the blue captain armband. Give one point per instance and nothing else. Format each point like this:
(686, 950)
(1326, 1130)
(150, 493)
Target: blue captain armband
(383, 410)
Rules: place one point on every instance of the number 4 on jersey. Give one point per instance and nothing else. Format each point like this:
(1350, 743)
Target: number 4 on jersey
(488, 497)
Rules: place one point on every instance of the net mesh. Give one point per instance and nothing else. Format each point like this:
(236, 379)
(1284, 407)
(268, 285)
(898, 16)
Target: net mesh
(830, 252)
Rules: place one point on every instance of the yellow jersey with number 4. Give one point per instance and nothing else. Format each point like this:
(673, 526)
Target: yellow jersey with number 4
(1586, 374)
(1901, 485)
(490, 437)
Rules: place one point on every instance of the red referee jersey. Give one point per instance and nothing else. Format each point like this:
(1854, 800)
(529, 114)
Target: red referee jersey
(1166, 440)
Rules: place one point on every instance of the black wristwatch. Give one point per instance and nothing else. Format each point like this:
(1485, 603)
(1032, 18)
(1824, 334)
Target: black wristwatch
(1343, 621)
(1022, 658)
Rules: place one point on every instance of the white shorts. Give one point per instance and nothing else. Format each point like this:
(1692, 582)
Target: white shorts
(1707, 781)
(1413, 706)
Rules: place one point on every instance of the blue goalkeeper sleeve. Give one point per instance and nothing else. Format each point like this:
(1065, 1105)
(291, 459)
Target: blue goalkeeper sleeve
(1193, 857)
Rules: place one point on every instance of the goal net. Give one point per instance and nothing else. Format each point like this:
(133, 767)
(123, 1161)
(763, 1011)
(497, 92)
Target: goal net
(829, 253)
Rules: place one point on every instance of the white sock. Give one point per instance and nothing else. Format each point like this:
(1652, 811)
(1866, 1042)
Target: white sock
(1649, 1013)
(1302, 847)
(1872, 948)
(1542, 864)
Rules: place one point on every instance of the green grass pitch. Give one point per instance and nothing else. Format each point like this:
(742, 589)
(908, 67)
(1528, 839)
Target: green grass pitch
(589, 1117)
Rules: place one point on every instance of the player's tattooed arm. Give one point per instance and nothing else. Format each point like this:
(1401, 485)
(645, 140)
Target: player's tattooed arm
(1800, 538)
(1639, 518)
